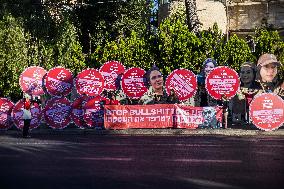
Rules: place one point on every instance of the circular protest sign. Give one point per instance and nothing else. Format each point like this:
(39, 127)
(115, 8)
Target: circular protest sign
(267, 111)
(183, 82)
(133, 82)
(57, 112)
(6, 107)
(77, 113)
(59, 81)
(31, 80)
(222, 82)
(89, 82)
(110, 71)
(18, 112)
(94, 111)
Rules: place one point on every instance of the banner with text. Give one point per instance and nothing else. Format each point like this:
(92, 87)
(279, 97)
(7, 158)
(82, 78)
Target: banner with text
(161, 116)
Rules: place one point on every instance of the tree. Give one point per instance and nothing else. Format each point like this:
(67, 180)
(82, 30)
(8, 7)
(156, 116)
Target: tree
(178, 47)
(236, 52)
(132, 51)
(13, 55)
(68, 50)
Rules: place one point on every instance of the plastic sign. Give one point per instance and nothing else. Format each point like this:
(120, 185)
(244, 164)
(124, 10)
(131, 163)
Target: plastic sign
(111, 71)
(183, 82)
(89, 82)
(94, 111)
(222, 82)
(77, 113)
(31, 80)
(133, 83)
(6, 107)
(18, 115)
(57, 112)
(59, 81)
(267, 111)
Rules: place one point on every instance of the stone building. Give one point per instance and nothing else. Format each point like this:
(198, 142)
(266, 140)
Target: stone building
(233, 16)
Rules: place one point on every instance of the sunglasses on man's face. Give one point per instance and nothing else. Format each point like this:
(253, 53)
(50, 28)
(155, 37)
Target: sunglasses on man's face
(156, 77)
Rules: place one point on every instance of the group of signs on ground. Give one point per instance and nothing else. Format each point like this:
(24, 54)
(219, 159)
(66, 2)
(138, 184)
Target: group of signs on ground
(266, 110)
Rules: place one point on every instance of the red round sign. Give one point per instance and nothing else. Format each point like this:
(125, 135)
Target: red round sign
(89, 82)
(31, 80)
(183, 82)
(221, 82)
(6, 107)
(57, 112)
(110, 71)
(18, 115)
(267, 111)
(133, 83)
(94, 112)
(59, 81)
(77, 113)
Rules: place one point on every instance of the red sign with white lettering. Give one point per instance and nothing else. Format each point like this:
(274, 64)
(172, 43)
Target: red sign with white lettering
(57, 112)
(110, 71)
(94, 111)
(77, 113)
(18, 115)
(59, 81)
(183, 82)
(6, 107)
(221, 82)
(267, 111)
(133, 82)
(162, 116)
(89, 82)
(31, 80)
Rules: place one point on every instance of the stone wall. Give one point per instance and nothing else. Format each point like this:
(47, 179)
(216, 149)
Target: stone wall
(243, 15)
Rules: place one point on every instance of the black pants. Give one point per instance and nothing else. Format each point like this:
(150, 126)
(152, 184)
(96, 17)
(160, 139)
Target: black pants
(26, 127)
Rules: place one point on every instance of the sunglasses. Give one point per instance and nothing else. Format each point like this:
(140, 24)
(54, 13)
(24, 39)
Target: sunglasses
(156, 77)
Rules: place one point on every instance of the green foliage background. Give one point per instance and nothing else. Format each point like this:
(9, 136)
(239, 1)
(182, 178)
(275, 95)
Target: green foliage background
(82, 37)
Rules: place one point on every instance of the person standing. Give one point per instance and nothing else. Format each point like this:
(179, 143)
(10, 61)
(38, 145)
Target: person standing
(240, 103)
(202, 98)
(27, 116)
(156, 93)
(267, 75)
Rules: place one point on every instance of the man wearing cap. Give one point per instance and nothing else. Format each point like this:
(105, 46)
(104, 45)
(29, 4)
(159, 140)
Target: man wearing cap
(267, 75)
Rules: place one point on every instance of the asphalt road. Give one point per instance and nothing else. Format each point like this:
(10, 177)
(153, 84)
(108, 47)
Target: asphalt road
(123, 161)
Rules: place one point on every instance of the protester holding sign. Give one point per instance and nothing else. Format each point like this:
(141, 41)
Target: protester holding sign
(267, 75)
(27, 116)
(156, 93)
(202, 98)
(240, 103)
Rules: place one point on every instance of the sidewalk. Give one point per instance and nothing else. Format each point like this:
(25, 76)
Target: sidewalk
(233, 130)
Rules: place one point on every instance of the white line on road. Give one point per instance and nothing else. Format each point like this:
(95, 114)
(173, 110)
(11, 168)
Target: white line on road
(99, 158)
(208, 160)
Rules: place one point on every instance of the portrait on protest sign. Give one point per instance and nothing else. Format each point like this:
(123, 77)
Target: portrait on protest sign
(210, 120)
(110, 71)
(89, 82)
(6, 107)
(31, 80)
